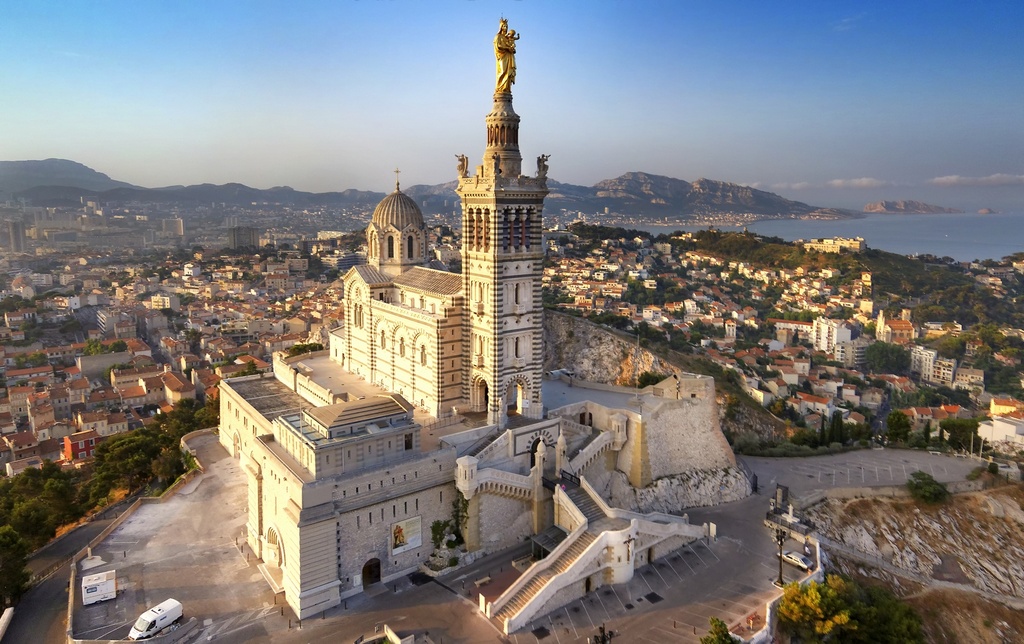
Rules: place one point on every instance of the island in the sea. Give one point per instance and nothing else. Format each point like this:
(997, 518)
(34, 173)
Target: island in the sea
(908, 208)
(988, 211)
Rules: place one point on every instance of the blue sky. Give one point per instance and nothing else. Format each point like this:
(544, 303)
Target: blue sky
(833, 103)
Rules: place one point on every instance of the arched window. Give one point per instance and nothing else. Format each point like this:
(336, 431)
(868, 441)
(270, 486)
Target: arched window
(391, 247)
(516, 347)
(401, 347)
(423, 355)
(382, 339)
(515, 291)
(408, 247)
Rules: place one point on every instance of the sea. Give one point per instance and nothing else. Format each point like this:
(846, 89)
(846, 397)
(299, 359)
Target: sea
(964, 237)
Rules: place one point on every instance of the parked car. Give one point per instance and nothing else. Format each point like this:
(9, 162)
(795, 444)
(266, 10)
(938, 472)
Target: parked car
(798, 560)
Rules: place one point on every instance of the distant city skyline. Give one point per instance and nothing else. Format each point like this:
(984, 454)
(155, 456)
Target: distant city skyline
(833, 105)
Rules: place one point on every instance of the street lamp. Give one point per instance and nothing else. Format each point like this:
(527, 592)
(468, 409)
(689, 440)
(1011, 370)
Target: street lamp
(603, 636)
(780, 538)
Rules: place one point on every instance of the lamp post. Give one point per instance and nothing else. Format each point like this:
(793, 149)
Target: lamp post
(780, 538)
(603, 636)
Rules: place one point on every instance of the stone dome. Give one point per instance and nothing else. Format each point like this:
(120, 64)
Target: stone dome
(397, 210)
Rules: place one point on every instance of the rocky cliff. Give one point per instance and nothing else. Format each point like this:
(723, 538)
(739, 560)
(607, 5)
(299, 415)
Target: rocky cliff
(704, 471)
(907, 208)
(672, 494)
(595, 353)
(941, 542)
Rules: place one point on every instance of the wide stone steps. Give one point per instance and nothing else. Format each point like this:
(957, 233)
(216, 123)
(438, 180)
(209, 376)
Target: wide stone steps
(564, 561)
(587, 505)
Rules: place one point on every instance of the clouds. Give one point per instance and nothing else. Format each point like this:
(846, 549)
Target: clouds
(799, 185)
(863, 182)
(848, 23)
(990, 180)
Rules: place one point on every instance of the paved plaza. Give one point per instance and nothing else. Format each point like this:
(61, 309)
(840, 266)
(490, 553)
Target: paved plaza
(862, 468)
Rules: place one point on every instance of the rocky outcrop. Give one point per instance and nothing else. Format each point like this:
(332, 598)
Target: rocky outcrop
(673, 494)
(595, 353)
(907, 208)
(944, 543)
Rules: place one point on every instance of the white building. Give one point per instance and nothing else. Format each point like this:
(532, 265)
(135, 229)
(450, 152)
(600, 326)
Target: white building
(826, 333)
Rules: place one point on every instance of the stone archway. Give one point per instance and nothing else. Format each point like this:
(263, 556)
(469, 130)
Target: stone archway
(273, 553)
(371, 572)
(236, 446)
(515, 394)
(481, 395)
(533, 451)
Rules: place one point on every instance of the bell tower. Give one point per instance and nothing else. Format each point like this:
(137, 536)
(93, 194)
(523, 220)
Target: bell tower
(502, 260)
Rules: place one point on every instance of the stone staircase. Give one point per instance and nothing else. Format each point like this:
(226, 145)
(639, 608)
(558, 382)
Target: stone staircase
(587, 505)
(565, 561)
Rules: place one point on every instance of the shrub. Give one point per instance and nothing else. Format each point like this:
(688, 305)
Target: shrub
(923, 487)
(993, 468)
(437, 530)
(453, 561)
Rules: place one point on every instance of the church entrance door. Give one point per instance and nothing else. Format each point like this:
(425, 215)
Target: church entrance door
(481, 396)
(533, 452)
(371, 572)
(514, 397)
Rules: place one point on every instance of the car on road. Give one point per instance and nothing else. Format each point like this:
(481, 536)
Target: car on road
(798, 560)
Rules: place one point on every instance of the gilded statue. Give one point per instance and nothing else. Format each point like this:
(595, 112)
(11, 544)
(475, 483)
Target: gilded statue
(505, 57)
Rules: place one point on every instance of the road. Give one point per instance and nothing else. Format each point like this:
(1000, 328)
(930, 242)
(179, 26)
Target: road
(41, 615)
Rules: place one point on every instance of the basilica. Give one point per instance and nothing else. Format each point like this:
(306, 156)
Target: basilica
(430, 403)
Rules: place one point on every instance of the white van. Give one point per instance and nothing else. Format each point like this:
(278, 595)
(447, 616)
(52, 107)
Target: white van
(156, 619)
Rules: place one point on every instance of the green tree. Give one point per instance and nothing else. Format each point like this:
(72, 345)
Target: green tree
(93, 347)
(13, 560)
(836, 433)
(898, 426)
(719, 633)
(649, 378)
(307, 347)
(168, 465)
(923, 487)
(117, 346)
(960, 432)
(883, 357)
(816, 612)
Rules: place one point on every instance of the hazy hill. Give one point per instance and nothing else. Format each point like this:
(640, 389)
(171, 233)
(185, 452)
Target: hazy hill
(57, 182)
(907, 208)
(18, 176)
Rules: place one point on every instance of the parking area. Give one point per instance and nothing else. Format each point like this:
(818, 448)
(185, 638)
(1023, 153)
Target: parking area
(870, 468)
(184, 549)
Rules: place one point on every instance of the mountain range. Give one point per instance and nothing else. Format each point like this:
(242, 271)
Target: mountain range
(57, 182)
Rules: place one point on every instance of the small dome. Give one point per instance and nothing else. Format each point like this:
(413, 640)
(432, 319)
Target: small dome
(398, 210)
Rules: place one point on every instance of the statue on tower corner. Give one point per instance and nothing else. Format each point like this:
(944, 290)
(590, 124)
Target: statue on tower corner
(505, 56)
(542, 166)
(463, 167)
